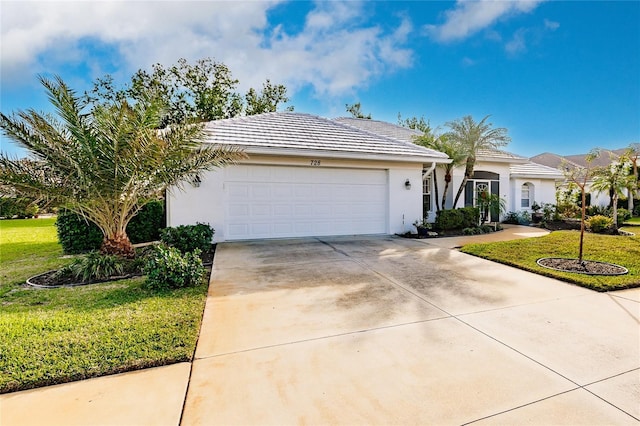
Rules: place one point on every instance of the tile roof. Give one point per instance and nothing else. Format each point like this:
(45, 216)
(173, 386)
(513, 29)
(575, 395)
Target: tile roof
(382, 128)
(407, 135)
(534, 170)
(289, 131)
(550, 159)
(499, 155)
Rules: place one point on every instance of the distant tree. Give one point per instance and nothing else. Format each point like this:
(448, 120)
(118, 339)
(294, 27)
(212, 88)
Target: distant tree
(267, 100)
(579, 177)
(614, 179)
(474, 136)
(356, 112)
(633, 155)
(204, 91)
(104, 161)
(415, 123)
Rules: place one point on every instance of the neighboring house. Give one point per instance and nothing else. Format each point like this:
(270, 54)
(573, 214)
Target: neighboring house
(562, 163)
(515, 179)
(306, 176)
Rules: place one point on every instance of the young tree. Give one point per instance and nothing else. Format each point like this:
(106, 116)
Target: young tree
(579, 177)
(473, 137)
(104, 161)
(356, 112)
(614, 179)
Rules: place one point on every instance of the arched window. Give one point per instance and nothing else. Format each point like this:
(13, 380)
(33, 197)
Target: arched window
(526, 193)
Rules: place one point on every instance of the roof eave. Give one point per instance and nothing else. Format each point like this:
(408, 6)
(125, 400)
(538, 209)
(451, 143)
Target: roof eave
(502, 160)
(404, 157)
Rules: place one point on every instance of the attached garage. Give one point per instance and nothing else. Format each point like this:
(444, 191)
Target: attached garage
(305, 176)
(283, 201)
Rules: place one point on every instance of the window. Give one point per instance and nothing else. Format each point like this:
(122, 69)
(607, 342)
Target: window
(426, 196)
(525, 196)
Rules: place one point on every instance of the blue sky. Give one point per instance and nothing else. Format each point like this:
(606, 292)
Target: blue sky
(563, 77)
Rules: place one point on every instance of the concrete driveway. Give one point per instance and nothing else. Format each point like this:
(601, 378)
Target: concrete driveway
(385, 330)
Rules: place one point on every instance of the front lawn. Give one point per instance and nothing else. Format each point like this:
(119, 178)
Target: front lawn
(60, 335)
(624, 251)
(632, 221)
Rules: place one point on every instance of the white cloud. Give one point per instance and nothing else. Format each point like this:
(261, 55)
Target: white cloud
(551, 25)
(517, 43)
(335, 52)
(469, 17)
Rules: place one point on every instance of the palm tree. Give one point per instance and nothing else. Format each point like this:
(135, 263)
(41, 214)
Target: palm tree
(474, 137)
(614, 179)
(445, 144)
(104, 163)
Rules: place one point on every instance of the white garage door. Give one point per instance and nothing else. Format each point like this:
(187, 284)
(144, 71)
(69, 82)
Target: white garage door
(279, 201)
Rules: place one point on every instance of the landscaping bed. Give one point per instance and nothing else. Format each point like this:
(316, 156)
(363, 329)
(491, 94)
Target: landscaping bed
(523, 254)
(51, 336)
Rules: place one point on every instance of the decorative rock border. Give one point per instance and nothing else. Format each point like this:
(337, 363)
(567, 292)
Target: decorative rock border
(589, 267)
(115, 278)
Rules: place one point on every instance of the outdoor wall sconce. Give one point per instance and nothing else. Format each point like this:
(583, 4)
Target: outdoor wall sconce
(196, 181)
(407, 184)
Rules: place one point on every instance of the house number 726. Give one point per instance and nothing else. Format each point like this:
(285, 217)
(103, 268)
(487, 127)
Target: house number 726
(315, 162)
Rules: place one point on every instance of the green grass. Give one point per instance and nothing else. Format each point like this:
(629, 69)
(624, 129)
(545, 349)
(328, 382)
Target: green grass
(55, 336)
(633, 221)
(624, 251)
(27, 247)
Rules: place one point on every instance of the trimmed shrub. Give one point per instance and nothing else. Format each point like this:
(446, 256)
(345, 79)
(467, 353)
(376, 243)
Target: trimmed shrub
(486, 229)
(188, 238)
(636, 208)
(623, 214)
(146, 225)
(599, 224)
(449, 219)
(76, 234)
(167, 268)
(470, 216)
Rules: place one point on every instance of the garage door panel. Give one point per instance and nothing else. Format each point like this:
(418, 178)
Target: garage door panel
(280, 201)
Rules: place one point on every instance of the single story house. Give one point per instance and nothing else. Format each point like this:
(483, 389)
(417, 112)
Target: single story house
(306, 176)
(606, 157)
(515, 179)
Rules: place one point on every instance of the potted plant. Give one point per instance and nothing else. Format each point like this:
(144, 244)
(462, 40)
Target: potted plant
(423, 227)
(537, 215)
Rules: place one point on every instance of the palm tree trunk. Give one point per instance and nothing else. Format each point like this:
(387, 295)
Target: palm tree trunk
(468, 172)
(118, 244)
(447, 181)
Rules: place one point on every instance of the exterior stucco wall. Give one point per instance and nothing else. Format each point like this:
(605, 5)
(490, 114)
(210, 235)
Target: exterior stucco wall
(205, 203)
(541, 191)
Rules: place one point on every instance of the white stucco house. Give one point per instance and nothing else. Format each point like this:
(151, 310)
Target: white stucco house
(311, 176)
(306, 176)
(515, 179)
(606, 157)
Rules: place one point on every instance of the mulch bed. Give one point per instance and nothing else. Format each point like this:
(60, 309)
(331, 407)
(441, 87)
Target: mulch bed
(589, 267)
(49, 280)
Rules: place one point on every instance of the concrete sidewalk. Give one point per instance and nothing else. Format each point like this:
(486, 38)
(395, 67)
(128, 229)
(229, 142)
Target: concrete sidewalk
(376, 330)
